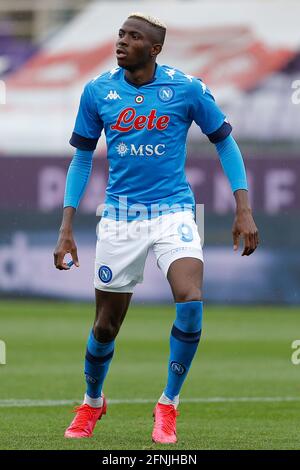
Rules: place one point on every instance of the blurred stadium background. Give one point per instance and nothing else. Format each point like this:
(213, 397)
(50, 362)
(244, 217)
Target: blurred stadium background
(248, 52)
(249, 55)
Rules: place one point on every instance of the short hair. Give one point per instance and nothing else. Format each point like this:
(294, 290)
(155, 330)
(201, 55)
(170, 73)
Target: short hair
(158, 25)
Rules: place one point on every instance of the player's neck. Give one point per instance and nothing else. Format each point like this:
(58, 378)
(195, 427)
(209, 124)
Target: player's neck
(141, 76)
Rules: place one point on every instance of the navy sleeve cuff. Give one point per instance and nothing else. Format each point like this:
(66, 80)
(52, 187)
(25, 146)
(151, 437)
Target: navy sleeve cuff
(221, 133)
(83, 143)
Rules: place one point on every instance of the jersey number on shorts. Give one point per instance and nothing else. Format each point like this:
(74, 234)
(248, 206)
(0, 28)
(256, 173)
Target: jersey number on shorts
(185, 232)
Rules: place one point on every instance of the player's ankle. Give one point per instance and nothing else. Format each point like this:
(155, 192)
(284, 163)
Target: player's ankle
(93, 402)
(164, 400)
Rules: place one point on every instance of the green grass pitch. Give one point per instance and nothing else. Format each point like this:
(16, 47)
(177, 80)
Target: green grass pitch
(245, 353)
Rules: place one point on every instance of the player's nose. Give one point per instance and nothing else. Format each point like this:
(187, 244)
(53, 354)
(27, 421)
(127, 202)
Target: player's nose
(122, 42)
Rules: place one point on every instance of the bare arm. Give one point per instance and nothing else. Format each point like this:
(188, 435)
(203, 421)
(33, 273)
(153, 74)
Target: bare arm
(65, 243)
(244, 224)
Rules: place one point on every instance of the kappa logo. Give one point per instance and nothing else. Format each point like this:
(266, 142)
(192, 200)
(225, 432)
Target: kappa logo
(189, 77)
(113, 95)
(170, 73)
(204, 87)
(113, 71)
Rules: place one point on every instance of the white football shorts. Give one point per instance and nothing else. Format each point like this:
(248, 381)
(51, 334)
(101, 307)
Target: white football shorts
(122, 248)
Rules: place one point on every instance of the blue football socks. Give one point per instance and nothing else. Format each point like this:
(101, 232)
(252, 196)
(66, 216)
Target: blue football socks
(97, 360)
(184, 340)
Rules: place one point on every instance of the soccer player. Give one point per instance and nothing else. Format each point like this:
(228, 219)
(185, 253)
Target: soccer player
(145, 110)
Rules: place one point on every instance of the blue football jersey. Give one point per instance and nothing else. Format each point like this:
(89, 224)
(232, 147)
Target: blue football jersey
(146, 130)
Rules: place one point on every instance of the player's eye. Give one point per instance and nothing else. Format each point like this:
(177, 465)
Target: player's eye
(121, 34)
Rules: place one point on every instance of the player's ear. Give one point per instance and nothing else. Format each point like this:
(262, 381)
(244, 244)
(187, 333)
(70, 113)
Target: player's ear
(155, 50)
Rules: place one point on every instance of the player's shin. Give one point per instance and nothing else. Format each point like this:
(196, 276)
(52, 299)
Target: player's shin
(184, 340)
(97, 360)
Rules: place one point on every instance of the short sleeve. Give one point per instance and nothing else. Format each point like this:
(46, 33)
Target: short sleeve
(88, 125)
(206, 113)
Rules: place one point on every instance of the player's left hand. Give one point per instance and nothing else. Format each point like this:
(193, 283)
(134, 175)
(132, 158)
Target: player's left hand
(244, 226)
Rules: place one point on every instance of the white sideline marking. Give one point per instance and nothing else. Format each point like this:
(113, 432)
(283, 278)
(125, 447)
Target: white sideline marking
(15, 403)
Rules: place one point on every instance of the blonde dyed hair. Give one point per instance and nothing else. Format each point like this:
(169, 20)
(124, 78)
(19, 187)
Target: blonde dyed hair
(150, 19)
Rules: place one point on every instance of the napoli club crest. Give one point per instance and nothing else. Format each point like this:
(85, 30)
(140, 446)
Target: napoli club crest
(165, 93)
(177, 368)
(105, 274)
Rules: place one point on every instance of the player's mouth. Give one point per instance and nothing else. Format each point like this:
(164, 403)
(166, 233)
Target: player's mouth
(121, 53)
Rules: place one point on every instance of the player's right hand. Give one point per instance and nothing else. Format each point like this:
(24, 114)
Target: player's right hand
(65, 244)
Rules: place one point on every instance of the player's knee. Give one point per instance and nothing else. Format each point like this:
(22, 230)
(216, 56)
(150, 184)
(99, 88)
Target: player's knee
(188, 294)
(105, 331)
